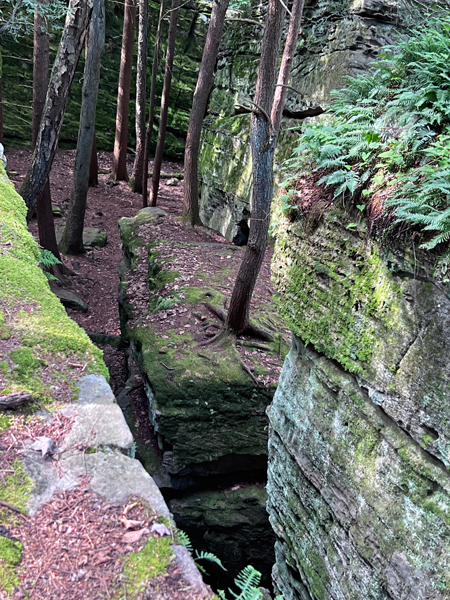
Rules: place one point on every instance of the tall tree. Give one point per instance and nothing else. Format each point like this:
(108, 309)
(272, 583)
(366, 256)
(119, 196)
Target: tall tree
(151, 116)
(119, 169)
(77, 21)
(175, 9)
(141, 82)
(41, 63)
(72, 239)
(201, 94)
(265, 124)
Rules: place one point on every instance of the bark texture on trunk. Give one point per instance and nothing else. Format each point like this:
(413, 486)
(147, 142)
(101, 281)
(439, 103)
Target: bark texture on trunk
(286, 63)
(151, 116)
(199, 103)
(175, 9)
(41, 63)
(77, 21)
(93, 168)
(119, 168)
(141, 82)
(1, 98)
(263, 139)
(72, 239)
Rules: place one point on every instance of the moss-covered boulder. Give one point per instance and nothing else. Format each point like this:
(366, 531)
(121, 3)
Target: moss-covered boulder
(207, 411)
(359, 484)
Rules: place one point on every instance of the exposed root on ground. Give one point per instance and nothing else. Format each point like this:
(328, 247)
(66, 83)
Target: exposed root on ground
(253, 329)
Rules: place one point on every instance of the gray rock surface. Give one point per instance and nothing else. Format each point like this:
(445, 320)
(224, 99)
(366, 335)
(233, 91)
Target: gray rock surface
(92, 237)
(94, 389)
(69, 299)
(358, 478)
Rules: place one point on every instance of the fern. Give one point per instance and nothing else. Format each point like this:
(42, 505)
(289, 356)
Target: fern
(395, 120)
(247, 581)
(47, 260)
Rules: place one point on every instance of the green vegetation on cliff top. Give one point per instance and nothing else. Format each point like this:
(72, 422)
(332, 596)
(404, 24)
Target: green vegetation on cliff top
(385, 139)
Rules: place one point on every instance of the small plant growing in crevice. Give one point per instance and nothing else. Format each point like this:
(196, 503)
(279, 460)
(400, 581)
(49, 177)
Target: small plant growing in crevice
(47, 260)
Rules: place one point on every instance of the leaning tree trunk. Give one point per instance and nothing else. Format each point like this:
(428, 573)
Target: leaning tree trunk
(151, 116)
(141, 82)
(1, 98)
(119, 169)
(72, 239)
(77, 21)
(263, 138)
(205, 79)
(175, 9)
(41, 63)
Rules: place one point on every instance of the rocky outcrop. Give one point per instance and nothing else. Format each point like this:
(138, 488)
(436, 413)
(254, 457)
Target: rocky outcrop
(338, 39)
(359, 490)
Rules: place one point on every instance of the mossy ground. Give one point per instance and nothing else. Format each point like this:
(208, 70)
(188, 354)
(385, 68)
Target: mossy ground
(41, 339)
(140, 567)
(10, 555)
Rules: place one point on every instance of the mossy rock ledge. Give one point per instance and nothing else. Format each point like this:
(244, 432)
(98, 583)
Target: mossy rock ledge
(208, 414)
(358, 479)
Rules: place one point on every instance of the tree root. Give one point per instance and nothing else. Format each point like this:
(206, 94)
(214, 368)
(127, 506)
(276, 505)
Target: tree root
(253, 329)
(244, 366)
(13, 508)
(15, 399)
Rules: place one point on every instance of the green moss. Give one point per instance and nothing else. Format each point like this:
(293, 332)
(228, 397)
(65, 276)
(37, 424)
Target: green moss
(10, 556)
(4, 367)
(337, 296)
(44, 329)
(142, 566)
(17, 487)
(5, 422)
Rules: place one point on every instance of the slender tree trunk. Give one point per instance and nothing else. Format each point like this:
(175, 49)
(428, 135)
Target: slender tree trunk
(151, 116)
(263, 138)
(77, 21)
(72, 239)
(93, 167)
(141, 82)
(175, 9)
(286, 64)
(204, 83)
(119, 169)
(41, 63)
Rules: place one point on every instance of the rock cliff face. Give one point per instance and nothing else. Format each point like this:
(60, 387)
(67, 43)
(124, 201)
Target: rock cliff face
(338, 39)
(359, 489)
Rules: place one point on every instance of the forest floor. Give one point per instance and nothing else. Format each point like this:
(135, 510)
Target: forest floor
(96, 281)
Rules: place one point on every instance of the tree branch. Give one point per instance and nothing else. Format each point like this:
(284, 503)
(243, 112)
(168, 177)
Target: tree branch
(11, 16)
(249, 21)
(260, 109)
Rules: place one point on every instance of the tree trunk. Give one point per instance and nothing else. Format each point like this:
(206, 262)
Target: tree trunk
(263, 139)
(78, 15)
(93, 167)
(175, 9)
(119, 169)
(141, 82)
(41, 63)
(151, 116)
(286, 64)
(72, 239)
(205, 79)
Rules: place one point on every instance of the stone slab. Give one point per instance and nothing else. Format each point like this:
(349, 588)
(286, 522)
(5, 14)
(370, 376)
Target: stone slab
(95, 389)
(69, 299)
(96, 425)
(115, 477)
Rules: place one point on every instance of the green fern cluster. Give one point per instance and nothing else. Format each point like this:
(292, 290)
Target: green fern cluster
(247, 580)
(47, 260)
(391, 129)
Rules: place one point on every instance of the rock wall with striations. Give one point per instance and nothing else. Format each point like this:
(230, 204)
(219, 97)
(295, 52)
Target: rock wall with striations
(339, 38)
(358, 483)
